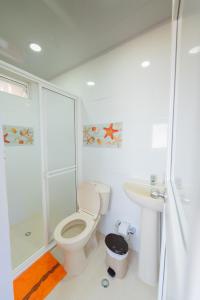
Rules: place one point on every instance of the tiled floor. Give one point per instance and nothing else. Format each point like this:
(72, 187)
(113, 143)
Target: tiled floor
(23, 246)
(87, 286)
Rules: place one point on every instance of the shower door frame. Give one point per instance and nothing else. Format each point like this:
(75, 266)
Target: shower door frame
(45, 84)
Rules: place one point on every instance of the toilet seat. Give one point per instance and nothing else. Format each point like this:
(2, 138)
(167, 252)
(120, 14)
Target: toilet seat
(89, 225)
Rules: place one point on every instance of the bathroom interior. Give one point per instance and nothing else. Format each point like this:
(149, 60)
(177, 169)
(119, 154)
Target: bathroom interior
(99, 149)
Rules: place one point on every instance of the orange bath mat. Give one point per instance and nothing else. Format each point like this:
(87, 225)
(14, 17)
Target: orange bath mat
(39, 279)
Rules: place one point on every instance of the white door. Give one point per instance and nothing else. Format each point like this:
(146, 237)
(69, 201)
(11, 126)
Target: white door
(183, 204)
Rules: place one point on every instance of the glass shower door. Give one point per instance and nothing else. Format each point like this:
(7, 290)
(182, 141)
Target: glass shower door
(183, 203)
(22, 147)
(60, 163)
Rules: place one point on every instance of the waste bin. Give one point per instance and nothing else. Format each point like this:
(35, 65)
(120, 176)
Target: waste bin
(116, 255)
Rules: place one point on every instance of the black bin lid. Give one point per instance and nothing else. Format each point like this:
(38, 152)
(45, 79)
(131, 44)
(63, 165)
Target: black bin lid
(116, 243)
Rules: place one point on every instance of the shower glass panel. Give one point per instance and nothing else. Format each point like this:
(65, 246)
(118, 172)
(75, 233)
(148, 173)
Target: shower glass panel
(59, 112)
(23, 173)
(62, 197)
(186, 171)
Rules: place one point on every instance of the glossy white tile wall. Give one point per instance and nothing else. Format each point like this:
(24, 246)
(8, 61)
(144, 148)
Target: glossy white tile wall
(138, 97)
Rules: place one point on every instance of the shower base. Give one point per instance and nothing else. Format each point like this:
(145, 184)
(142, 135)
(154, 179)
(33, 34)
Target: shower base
(26, 238)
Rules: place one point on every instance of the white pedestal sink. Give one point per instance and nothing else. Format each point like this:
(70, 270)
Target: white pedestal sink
(139, 191)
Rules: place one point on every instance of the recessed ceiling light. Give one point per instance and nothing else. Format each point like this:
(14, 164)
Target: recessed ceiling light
(91, 83)
(194, 50)
(35, 47)
(145, 64)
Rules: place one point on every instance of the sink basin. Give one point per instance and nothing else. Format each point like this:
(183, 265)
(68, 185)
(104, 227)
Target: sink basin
(139, 191)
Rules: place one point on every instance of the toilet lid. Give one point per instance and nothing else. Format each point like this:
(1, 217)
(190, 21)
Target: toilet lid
(88, 199)
(116, 243)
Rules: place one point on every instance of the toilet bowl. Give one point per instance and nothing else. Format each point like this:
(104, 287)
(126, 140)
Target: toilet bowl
(73, 233)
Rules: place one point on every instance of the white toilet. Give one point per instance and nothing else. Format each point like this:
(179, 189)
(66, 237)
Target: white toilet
(73, 233)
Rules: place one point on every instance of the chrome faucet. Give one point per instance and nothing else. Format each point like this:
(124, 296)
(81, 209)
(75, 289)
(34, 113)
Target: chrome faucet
(155, 193)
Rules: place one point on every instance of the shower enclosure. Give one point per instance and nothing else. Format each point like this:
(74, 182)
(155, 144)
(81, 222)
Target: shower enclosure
(181, 268)
(39, 140)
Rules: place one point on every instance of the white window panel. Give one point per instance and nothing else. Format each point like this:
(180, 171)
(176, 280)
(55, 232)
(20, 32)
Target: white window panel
(13, 87)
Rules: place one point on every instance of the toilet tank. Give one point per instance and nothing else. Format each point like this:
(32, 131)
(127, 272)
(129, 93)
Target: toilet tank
(104, 193)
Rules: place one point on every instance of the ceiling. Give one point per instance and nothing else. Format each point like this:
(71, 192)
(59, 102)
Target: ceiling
(71, 31)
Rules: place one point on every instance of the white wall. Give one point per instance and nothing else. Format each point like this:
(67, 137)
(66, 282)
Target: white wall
(136, 96)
